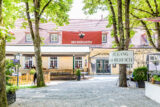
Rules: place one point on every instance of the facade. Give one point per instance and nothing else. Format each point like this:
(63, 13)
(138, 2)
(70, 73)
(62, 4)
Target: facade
(83, 43)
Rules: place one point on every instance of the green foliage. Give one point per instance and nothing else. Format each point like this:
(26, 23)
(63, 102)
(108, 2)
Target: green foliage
(141, 9)
(156, 78)
(56, 11)
(11, 89)
(140, 74)
(9, 69)
(9, 16)
(32, 71)
(78, 72)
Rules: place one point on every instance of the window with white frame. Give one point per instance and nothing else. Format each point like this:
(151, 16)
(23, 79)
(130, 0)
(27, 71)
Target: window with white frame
(28, 37)
(104, 38)
(54, 38)
(129, 66)
(28, 62)
(53, 62)
(78, 62)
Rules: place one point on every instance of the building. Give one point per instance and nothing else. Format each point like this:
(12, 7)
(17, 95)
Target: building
(83, 43)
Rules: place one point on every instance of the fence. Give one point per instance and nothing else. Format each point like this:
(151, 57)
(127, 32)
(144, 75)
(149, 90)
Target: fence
(26, 79)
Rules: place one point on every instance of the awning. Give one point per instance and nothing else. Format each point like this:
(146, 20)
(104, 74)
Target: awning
(58, 50)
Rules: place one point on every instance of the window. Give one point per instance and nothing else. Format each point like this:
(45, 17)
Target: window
(104, 38)
(114, 65)
(28, 37)
(53, 62)
(129, 66)
(28, 62)
(54, 38)
(78, 62)
(144, 40)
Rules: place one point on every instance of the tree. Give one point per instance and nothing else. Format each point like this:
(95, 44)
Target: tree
(8, 15)
(121, 35)
(148, 9)
(51, 10)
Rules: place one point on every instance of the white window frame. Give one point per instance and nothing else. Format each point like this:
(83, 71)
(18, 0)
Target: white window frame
(81, 60)
(53, 62)
(104, 36)
(28, 37)
(54, 38)
(153, 58)
(26, 60)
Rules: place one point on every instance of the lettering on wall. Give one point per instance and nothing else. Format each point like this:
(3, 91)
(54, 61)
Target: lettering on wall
(121, 57)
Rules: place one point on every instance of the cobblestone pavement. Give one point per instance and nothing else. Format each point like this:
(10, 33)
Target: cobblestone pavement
(100, 91)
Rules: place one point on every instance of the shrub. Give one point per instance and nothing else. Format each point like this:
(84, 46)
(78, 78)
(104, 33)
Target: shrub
(9, 69)
(78, 72)
(140, 74)
(32, 71)
(11, 89)
(156, 78)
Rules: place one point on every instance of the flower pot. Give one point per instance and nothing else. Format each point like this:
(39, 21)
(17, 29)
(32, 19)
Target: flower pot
(11, 98)
(78, 78)
(141, 84)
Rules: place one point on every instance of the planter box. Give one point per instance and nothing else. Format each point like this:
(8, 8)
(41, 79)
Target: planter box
(152, 91)
(11, 98)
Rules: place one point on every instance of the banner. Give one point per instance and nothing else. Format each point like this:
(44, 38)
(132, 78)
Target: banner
(83, 38)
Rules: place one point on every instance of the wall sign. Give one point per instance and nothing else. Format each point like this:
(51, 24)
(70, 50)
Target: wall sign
(69, 37)
(121, 57)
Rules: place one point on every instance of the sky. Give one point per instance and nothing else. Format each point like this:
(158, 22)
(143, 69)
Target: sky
(77, 12)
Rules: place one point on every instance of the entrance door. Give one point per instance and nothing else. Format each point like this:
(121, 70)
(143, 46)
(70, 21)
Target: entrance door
(102, 66)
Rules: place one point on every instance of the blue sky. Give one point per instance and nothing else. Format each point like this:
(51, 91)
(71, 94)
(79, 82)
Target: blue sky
(77, 12)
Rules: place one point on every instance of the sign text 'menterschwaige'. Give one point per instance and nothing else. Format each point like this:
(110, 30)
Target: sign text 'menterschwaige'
(121, 57)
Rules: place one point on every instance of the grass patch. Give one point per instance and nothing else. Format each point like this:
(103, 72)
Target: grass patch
(24, 87)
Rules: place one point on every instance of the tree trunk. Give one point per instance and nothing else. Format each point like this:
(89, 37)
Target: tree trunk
(122, 76)
(120, 25)
(127, 23)
(37, 48)
(157, 26)
(3, 97)
(40, 78)
(122, 67)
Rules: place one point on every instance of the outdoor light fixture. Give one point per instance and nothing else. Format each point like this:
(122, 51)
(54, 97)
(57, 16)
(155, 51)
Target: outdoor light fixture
(81, 35)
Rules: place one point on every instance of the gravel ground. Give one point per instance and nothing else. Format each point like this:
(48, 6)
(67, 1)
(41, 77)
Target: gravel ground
(100, 91)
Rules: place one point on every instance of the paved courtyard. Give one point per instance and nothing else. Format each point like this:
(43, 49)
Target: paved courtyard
(100, 91)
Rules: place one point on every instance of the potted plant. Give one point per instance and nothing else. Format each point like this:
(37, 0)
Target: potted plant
(78, 74)
(140, 75)
(11, 94)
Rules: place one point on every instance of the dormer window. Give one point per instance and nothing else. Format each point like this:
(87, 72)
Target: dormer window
(28, 37)
(144, 41)
(104, 38)
(54, 38)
